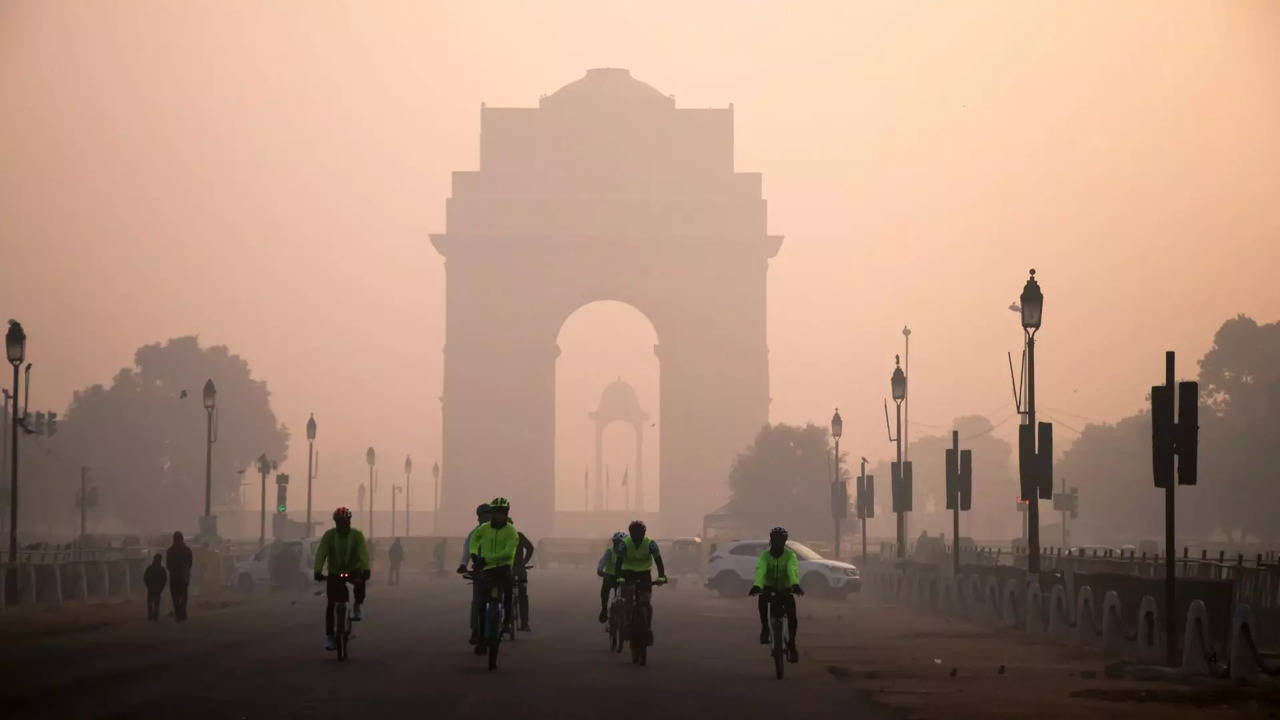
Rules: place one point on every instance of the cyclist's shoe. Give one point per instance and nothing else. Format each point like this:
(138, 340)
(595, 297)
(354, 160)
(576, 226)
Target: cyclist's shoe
(604, 616)
(356, 615)
(793, 655)
(764, 635)
(481, 648)
(330, 642)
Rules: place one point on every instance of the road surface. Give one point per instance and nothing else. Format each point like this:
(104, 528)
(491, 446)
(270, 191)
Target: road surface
(263, 658)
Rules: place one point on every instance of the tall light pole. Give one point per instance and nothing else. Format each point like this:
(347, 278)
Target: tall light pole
(208, 526)
(372, 458)
(435, 495)
(1032, 308)
(15, 348)
(866, 507)
(311, 447)
(264, 467)
(839, 498)
(408, 471)
(902, 476)
(906, 408)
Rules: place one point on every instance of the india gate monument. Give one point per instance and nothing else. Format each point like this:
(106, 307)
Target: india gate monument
(604, 191)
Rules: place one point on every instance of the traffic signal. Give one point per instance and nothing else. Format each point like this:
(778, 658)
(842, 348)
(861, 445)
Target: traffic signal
(901, 481)
(282, 491)
(1044, 461)
(1075, 502)
(867, 497)
(1187, 432)
(1162, 435)
(966, 479)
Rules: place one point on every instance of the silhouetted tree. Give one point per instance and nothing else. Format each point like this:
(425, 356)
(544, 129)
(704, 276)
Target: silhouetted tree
(144, 438)
(787, 473)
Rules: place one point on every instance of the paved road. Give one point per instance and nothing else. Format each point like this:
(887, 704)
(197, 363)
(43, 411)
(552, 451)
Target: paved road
(264, 659)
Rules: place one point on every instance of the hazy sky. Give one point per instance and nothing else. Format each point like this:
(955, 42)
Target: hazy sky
(265, 174)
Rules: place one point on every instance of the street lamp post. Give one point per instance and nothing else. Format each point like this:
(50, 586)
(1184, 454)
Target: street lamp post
(15, 347)
(208, 526)
(839, 501)
(865, 506)
(1032, 307)
(311, 446)
(408, 471)
(435, 496)
(902, 475)
(370, 457)
(264, 467)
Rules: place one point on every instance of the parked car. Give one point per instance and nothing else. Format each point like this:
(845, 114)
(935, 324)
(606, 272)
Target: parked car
(731, 570)
(255, 572)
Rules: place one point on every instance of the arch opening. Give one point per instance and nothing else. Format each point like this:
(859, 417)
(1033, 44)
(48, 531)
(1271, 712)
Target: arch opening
(607, 411)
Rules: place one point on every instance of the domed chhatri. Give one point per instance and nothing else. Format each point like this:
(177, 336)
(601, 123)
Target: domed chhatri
(620, 402)
(607, 85)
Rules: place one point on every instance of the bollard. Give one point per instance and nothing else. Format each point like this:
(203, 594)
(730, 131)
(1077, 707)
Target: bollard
(1195, 640)
(995, 612)
(1113, 639)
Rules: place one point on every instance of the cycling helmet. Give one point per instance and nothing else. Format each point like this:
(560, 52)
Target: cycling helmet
(482, 509)
(778, 531)
(637, 525)
(619, 537)
(341, 513)
(500, 504)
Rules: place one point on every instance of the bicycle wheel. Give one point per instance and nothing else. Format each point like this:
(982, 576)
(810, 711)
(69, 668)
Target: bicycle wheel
(342, 629)
(779, 650)
(493, 623)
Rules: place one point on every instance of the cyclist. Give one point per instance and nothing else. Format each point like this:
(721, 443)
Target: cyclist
(635, 557)
(777, 572)
(493, 548)
(343, 547)
(605, 570)
(524, 556)
(477, 600)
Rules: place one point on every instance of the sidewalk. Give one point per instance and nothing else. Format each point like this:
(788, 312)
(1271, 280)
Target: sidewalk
(928, 667)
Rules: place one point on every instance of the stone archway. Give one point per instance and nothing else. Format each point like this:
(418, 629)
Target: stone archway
(605, 191)
(618, 403)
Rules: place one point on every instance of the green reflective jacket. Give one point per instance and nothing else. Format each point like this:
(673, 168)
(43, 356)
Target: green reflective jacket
(777, 573)
(638, 557)
(496, 546)
(344, 552)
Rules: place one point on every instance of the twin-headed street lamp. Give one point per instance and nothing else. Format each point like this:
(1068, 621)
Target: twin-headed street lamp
(901, 479)
(1032, 309)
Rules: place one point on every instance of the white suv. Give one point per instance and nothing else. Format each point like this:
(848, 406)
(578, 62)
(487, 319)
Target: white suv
(731, 570)
(255, 572)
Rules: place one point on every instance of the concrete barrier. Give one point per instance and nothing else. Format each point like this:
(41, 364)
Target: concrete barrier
(1009, 604)
(1150, 631)
(992, 598)
(1088, 629)
(1113, 638)
(1060, 625)
(1195, 641)
(1033, 604)
(1244, 662)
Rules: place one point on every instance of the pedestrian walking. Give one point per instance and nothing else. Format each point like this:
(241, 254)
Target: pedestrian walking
(154, 578)
(178, 559)
(396, 556)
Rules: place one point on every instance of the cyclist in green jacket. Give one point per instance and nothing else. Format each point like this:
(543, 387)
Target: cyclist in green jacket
(344, 549)
(636, 555)
(605, 569)
(777, 572)
(493, 549)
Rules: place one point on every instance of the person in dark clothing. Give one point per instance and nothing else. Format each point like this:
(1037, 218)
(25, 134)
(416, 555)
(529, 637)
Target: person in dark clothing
(396, 556)
(178, 560)
(524, 555)
(154, 578)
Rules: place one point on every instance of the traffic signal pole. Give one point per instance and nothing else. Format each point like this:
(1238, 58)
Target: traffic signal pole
(1169, 567)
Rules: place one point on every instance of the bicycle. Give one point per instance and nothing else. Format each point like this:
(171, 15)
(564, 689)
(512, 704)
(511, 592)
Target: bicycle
(491, 617)
(520, 600)
(639, 621)
(341, 618)
(776, 602)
